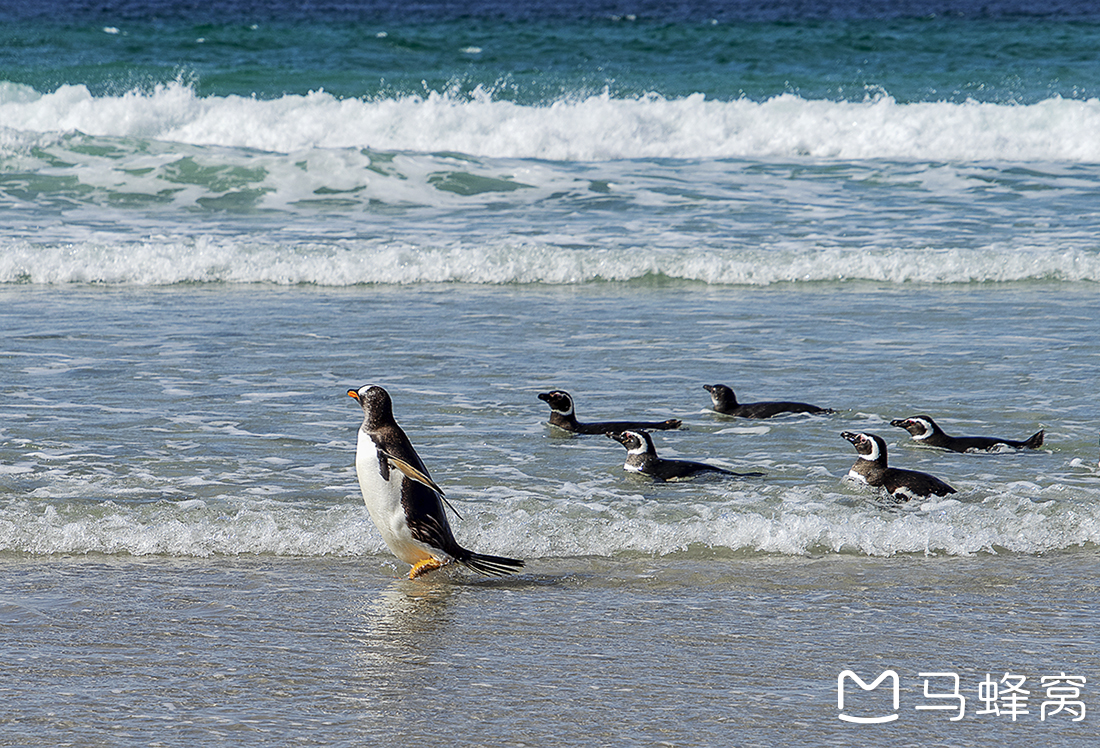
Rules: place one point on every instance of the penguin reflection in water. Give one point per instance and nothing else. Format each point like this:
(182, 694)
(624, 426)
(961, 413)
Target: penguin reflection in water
(641, 457)
(402, 499)
(871, 468)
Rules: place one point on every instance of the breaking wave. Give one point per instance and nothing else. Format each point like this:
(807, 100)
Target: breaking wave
(588, 128)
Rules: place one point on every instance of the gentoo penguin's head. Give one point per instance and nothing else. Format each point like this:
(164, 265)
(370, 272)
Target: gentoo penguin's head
(720, 394)
(636, 442)
(377, 406)
(920, 427)
(868, 446)
(559, 401)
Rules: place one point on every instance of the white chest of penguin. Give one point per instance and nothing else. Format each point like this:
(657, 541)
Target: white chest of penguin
(856, 476)
(382, 497)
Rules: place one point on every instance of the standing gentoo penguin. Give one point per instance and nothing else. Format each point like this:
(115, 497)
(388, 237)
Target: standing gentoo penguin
(924, 430)
(405, 503)
(641, 457)
(871, 468)
(724, 401)
(562, 416)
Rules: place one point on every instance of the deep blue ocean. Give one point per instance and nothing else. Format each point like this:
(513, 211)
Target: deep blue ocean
(217, 218)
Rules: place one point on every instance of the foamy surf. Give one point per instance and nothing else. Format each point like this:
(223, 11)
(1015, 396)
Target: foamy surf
(786, 522)
(212, 259)
(585, 128)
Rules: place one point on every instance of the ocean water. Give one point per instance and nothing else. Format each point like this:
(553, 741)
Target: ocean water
(217, 220)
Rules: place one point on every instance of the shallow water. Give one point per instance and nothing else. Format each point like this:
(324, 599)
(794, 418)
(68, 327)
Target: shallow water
(215, 421)
(187, 557)
(337, 652)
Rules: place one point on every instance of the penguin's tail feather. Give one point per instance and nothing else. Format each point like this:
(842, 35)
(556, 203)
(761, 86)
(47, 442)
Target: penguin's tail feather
(492, 566)
(1034, 441)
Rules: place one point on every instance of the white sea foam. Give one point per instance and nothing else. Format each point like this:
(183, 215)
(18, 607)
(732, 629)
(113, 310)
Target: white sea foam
(212, 259)
(165, 187)
(809, 521)
(592, 128)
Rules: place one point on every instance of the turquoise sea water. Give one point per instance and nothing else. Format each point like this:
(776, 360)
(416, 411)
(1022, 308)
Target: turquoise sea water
(216, 220)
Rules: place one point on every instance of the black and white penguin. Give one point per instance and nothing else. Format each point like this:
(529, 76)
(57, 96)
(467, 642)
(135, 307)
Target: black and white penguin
(402, 499)
(641, 457)
(924, 430)
(563, 416)
(871, 468)
(724, 401)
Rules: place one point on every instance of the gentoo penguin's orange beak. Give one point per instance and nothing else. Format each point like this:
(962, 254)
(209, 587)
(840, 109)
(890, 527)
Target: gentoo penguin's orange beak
(354, 393)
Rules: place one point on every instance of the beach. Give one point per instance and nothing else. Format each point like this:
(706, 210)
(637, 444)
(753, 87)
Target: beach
(216, 223)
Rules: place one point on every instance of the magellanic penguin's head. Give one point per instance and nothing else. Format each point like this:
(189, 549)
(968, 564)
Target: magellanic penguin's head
(559, 401)
(377, 406)
(721, 395)
(919, 427)
(868, 446)
(636, 442)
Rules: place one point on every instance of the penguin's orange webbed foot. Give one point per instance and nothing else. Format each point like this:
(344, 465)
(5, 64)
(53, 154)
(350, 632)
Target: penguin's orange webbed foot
(420, 568)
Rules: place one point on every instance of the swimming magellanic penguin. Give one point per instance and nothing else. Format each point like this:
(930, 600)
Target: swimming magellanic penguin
(871, 468)
(641, 457)
(924, 430)
(402, 499)
(724, 401)
(563, 416)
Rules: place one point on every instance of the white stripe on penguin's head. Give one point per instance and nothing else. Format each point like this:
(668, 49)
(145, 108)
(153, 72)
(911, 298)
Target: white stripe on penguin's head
(867, 442)
(924, 424)
(560, 402)
(637, 445)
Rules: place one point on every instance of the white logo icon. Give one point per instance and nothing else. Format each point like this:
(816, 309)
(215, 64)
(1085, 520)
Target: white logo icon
(848, 674)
